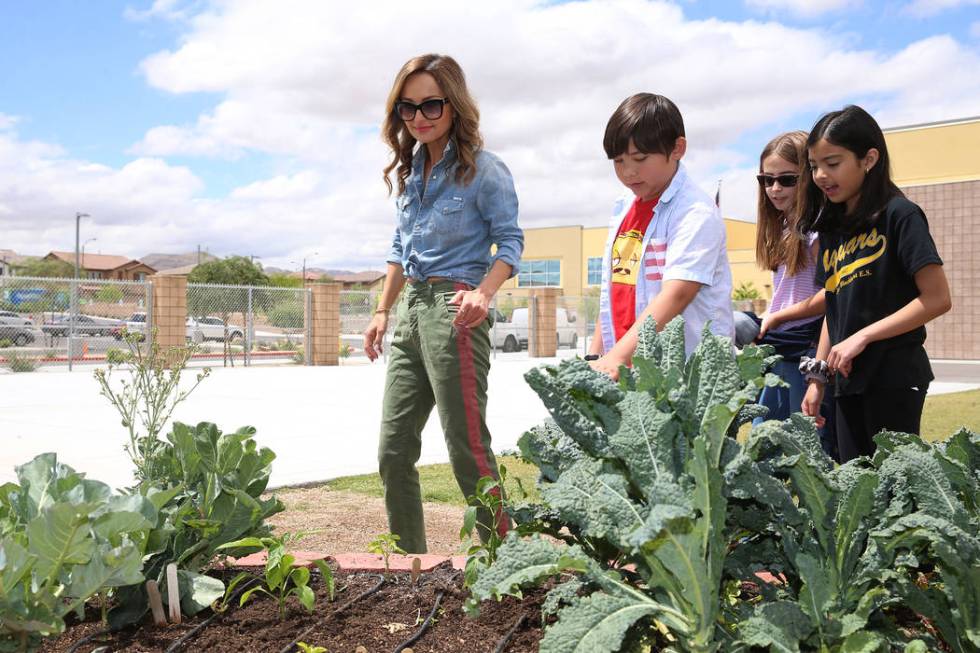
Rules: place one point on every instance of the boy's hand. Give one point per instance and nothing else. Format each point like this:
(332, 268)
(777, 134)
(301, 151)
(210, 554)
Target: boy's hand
(608, 365)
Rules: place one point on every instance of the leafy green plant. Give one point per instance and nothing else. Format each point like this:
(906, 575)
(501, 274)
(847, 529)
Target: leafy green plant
(213, 484)
(745, 290)
(384, 545)
(489, 497)
(281, 578)
(64, 540)
(633, 490)
(860, 539)
(5, 343)
(147, 396)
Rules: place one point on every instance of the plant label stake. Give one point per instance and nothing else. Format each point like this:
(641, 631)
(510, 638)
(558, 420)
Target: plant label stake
(416, 570)
(156, 603)
(173, 593)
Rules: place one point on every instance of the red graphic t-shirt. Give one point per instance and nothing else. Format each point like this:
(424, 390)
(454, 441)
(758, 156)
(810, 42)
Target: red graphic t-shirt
(627, 253)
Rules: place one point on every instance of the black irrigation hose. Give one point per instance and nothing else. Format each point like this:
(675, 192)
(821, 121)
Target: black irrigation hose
(192, 633)
(505, 640)
(289, 648)
(425, 625)
(88, 638)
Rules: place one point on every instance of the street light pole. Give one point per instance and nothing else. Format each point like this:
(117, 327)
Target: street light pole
(74, 292)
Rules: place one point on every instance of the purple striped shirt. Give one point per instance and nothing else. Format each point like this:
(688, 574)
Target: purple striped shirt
(788, 289)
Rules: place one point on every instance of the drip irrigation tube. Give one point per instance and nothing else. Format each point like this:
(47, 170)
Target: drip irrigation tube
(505, 640)
(425, 625)
(289, 648)
(88, 638)
(192, 633)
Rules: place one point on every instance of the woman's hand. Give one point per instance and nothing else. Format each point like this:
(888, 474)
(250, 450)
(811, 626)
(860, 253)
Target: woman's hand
(769, 321)
(474, 305)
(842, 355)
(812, 400)
(374, 335)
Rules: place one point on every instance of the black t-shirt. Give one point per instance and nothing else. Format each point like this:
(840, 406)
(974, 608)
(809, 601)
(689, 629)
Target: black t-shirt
(868, 276)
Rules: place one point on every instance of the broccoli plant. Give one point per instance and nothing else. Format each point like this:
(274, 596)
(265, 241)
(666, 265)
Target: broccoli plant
(632, 483)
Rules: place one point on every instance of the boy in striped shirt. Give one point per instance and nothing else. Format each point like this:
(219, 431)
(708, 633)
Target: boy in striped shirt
(665, 254)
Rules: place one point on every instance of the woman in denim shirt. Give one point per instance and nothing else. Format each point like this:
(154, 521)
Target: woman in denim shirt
(455, 200)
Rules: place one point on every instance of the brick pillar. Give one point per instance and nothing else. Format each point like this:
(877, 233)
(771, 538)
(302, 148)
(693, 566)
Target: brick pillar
(169, 310)
(325, 323)
(542, 339)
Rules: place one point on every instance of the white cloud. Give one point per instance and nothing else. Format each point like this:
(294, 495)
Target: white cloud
(975, 29)
(925, 8)
(304, 86)
(805, 8)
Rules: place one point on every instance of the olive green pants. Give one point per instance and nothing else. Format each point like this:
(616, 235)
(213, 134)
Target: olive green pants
(432, 363)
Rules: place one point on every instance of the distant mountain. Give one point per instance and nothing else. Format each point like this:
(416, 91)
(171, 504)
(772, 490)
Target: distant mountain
(159, 261)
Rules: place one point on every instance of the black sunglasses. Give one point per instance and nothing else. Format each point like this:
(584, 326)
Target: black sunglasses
(431, 109)
(786, 181)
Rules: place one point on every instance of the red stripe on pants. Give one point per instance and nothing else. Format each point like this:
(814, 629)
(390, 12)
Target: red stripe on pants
(471, 406)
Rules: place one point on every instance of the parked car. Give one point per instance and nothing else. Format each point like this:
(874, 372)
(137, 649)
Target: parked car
(85, 325)
(212, 328)
(512, 335)
(15, 319)
(135, 323)
(18, 334)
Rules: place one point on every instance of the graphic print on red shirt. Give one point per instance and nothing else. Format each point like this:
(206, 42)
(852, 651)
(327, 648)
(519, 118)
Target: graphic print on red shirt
(627, 254)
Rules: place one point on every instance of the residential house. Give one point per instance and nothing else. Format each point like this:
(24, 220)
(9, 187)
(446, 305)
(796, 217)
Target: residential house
(106, 266)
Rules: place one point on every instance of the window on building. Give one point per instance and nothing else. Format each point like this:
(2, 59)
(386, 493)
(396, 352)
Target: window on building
(595, 270)
(544, 272)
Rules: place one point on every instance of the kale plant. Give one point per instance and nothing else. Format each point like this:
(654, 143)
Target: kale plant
(632, 483)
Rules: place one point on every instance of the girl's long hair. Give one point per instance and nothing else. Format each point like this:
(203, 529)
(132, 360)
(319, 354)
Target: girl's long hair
(778, 241)
(854, 129)
(465, 130)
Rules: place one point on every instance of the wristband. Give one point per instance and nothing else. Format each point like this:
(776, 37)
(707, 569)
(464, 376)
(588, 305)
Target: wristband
(382, 310)
(813, 369)
(592, 357)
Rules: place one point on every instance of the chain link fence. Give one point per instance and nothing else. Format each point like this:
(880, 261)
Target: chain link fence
(66, 321)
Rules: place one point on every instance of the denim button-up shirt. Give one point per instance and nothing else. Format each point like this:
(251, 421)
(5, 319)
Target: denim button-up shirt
(448, 230)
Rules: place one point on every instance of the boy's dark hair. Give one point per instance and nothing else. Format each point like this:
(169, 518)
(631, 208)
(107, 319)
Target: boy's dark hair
(854, 129)
(653, 122)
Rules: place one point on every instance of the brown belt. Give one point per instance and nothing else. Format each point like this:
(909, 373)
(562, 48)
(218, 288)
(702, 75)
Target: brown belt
(430, 280)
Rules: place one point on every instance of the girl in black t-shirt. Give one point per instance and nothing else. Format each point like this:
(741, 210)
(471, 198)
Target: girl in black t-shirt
(883, 280)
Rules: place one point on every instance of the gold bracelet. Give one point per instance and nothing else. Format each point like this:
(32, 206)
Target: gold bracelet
(381, 310)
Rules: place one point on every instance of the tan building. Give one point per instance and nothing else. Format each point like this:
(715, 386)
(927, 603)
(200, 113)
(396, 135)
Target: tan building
(105, 266)
(937, 166)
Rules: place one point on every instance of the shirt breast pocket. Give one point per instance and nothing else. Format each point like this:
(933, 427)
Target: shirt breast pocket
(447, 215)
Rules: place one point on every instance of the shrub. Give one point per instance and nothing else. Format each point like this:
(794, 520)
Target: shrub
(745, 290)
(287, 316)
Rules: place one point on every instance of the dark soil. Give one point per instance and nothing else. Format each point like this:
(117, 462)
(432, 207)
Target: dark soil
(379, 622)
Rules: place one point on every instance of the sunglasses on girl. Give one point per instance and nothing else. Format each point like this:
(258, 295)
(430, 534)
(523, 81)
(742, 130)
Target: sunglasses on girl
(786, 181)
(431, 109)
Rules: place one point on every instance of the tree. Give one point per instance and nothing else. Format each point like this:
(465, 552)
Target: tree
(285, 280)
(233, 271)
(40, 267)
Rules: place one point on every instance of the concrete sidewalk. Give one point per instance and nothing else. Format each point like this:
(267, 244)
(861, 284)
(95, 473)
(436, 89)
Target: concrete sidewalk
(322, 422)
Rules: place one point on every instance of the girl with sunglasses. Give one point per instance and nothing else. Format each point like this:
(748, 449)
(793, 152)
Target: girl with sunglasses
(792, 323)
(455, 201)
(883, 280)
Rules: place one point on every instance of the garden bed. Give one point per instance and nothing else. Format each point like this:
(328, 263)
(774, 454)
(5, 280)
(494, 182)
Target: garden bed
(381, 620)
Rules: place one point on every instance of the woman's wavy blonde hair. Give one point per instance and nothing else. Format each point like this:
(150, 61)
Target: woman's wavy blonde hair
(778, 242)
(466, 121)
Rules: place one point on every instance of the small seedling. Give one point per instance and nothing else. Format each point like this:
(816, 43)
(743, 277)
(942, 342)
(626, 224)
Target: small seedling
(490, 497)
(310, 648)
(281, 580)
(384, 545)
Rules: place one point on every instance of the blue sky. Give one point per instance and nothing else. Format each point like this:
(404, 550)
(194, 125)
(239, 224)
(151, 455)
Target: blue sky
(253, 126)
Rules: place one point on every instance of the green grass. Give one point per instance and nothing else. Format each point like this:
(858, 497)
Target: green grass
(439, 484)
(943, 416)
